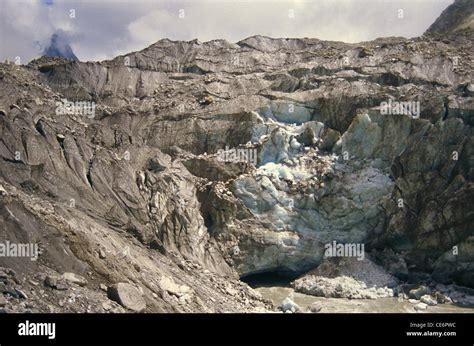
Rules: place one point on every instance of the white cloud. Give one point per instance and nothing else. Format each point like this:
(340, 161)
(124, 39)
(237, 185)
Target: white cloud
(104, 29)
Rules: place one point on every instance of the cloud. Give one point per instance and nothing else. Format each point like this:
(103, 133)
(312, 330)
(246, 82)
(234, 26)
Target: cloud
(103, 29)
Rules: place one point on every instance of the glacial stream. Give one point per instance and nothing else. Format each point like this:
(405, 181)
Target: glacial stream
(276, 288)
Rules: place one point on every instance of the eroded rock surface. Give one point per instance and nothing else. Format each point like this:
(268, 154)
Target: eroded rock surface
(347, 278)
(156, 187)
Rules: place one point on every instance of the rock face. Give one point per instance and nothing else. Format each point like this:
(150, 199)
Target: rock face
(187, 165)
(456, 17)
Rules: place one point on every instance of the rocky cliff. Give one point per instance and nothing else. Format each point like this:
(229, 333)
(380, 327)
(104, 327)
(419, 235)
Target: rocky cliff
(147, 179)
(457, 17)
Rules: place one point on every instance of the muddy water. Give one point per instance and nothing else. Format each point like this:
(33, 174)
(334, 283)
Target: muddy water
(277, 293)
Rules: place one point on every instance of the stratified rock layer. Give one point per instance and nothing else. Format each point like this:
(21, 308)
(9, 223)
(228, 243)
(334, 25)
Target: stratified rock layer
(138, 191)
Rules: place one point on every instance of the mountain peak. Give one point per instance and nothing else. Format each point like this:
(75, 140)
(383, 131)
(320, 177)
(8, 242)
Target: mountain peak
(59, 47)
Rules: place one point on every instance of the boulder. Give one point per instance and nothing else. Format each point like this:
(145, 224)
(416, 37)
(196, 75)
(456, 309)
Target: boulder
(288, 305)
(128, 296)
(428, 300)
(417, 293)
(420, 307)
(75, 279)
(51, 281)
(315, 307)
(169, 285)
(21, 293)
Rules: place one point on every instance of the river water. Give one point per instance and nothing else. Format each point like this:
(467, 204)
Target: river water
(277, 293)
(277, 289)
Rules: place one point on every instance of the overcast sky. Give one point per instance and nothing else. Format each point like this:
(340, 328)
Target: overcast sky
(103, 29)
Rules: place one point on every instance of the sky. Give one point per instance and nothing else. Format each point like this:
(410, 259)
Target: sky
(103, 29)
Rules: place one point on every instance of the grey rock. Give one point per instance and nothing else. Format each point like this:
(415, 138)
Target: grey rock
(62, 285)
(75, 279)
(441, 298)
(428, 300)
(289, 306)
(3, 275)
(470, 89)
(51, 281)
(127, 296)
(21, 293)
(3, 192)
(417, 293)
(315, 307)
(102, 254)
(347, 278)
(169, 285)
(11, 292)
(106, 306)
(364, 270)
(339, 287)
(420, 307)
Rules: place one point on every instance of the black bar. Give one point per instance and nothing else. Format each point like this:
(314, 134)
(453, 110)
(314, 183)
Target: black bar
(291, 329)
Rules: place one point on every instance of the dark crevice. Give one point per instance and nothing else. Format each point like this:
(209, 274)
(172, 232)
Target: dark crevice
(388, 78)
(89, 169)
(12, 160)
(39, 127)
(446, 110)
(269, 279)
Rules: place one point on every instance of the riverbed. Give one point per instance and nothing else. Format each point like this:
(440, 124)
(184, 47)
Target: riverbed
(343, 305)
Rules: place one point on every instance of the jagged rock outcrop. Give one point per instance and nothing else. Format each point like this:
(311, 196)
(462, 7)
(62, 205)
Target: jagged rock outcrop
(198, 163)
(458, 16)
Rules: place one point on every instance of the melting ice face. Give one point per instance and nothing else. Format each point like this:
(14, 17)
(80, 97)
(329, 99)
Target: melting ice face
(309, 196)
